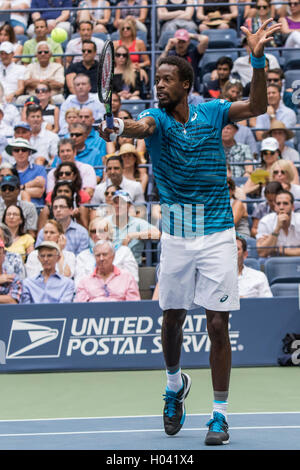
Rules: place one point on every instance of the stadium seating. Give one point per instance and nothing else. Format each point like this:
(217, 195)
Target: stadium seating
(147, 280)
(222, 38)
(251, 248)
(252, 263)
(291, 59)
(285, 269)
(285, 289)
(290, 76)
(134, 108)
(209, 60)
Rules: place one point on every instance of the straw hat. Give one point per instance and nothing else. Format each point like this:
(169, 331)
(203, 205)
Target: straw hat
(278, 125)
(129, 148)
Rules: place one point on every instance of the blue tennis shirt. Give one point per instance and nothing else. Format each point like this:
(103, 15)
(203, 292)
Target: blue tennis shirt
(189, 166)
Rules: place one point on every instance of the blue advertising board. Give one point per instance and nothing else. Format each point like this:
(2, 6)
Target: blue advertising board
(126, 335)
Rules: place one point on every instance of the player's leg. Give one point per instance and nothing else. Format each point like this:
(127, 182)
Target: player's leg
(178, 383)
(220, 363)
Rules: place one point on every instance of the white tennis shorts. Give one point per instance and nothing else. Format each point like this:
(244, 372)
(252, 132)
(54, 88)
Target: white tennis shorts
(200, 271)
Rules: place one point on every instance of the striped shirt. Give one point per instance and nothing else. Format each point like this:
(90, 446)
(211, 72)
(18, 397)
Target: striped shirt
(189, 166)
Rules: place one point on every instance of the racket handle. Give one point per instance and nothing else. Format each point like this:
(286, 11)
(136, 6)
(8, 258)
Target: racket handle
(110, 121)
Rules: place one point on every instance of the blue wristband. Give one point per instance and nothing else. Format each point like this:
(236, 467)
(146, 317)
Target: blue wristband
(258, 62)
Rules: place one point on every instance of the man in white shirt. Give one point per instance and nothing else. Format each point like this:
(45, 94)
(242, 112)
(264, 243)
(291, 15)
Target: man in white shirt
(252, 283)
(279, 231)
(43, 140)
(81, 99)
(67, 153)
(11, 74)
(276, 111)
(114, 173)
(75, 45)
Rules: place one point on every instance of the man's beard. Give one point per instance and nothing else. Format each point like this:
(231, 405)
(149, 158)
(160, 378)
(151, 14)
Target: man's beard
(169, 107)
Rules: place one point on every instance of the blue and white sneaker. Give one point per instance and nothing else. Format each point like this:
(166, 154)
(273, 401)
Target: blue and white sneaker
(218, 430)
(174, 409)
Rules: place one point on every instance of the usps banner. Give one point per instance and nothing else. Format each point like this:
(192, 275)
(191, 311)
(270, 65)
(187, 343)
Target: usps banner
(119, 336)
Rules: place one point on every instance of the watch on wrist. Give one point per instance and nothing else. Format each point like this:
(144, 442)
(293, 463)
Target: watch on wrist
(275, 234)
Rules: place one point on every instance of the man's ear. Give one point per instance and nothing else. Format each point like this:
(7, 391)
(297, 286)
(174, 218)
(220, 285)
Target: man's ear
(186, 84)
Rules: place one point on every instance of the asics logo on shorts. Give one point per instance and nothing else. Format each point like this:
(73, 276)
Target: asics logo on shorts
(224, 298)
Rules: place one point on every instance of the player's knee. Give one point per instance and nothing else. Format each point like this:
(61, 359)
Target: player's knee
(217, 327)
(174, 318)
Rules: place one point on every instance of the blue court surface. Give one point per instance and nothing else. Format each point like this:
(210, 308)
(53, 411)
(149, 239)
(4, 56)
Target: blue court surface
(248, 431)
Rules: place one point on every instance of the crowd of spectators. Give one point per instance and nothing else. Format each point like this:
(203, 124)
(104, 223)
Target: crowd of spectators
(75, 210)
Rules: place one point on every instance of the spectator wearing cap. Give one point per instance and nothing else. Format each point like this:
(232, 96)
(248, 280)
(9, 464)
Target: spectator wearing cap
(114, 175)
(11, 74)
(128, 230)
(32, 177)
(48, 287)
(214, 88)
(236, 152)
(22, 130)
(9, 192)
(107, 283)
(10, 285)
(183, 45)
(44, 141)
(77, 236)
(40, 34)
(66, 154)
(44, 72)
(276, 110)
(7, 169)
(279, 131)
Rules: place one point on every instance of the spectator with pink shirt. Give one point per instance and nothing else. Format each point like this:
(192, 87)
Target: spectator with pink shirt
(107, 283)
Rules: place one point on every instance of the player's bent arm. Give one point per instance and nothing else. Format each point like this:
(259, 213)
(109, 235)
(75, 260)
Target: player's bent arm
(257, 102)
(139, 129)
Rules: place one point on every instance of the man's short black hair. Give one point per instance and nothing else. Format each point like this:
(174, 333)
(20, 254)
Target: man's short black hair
(225, 61)
(117, 158)
(69, 202)
(89, 41)
(273, 187)
(285, 191)
(185, 70)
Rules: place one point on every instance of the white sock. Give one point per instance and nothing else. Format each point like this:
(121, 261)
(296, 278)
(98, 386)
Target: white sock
(174, 380)
(221, 407)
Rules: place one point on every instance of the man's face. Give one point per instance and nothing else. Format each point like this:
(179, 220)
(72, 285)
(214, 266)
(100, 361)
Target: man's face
(22, 132)
(233, 94)
(6, 59)
(273, 78)
(114, 171)
(82, 86)
(228, 133)
(88, 53)
(181, 47)
(115, 104)
(61, 211)
(40, 29)
(86, 117)
(35, 120)
(48, 258)
(21, 155)
(273, 96)
(66, 153)
(9, 194)
(223, 71)
(121, 207)
(283, 204)
(170, 90)
(104, 258)
(79, 136)
(85, 31)
(43, 55)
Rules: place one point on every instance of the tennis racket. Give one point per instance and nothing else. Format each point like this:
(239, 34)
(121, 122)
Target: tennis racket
(105, 78)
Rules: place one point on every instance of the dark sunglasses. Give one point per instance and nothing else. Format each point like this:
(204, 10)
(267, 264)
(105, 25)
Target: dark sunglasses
(112, 193)
(262, 7)
(66, 173)
(275, 80)
(88, 51)
(266, 152)
(18, 150)
(76, 134)
(41, 90)
(119, 54)
(43, 52)
(8, 188)
(126, 28)
(277, 172)
(293, 4)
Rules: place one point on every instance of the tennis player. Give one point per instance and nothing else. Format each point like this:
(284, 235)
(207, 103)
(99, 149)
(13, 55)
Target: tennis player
(198, 265)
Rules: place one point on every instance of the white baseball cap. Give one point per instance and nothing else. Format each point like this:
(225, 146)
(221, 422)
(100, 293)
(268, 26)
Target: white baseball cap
(269, 144)
(7, 47)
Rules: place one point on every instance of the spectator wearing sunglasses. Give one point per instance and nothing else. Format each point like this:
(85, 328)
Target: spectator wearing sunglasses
(88, 66)
(262, 11)
(41, 33)
(107, 207)
(107, 283)
(276, 77)
(128, 37)
(9, 192)
(282, 135)
(291, 25)
(44, 72)
(283, 172)
(127, 81)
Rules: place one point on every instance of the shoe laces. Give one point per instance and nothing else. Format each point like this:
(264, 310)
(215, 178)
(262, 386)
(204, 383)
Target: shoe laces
(216, 424)
(171, 402)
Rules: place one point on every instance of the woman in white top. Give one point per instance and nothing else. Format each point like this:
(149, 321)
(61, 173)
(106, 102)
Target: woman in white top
(282, 171)
(53, 231)
(101, 229)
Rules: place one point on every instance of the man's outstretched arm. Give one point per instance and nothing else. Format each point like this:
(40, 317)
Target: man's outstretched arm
(257, 102)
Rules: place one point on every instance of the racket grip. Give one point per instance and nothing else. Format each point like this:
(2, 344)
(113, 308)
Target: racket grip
(110, 121)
